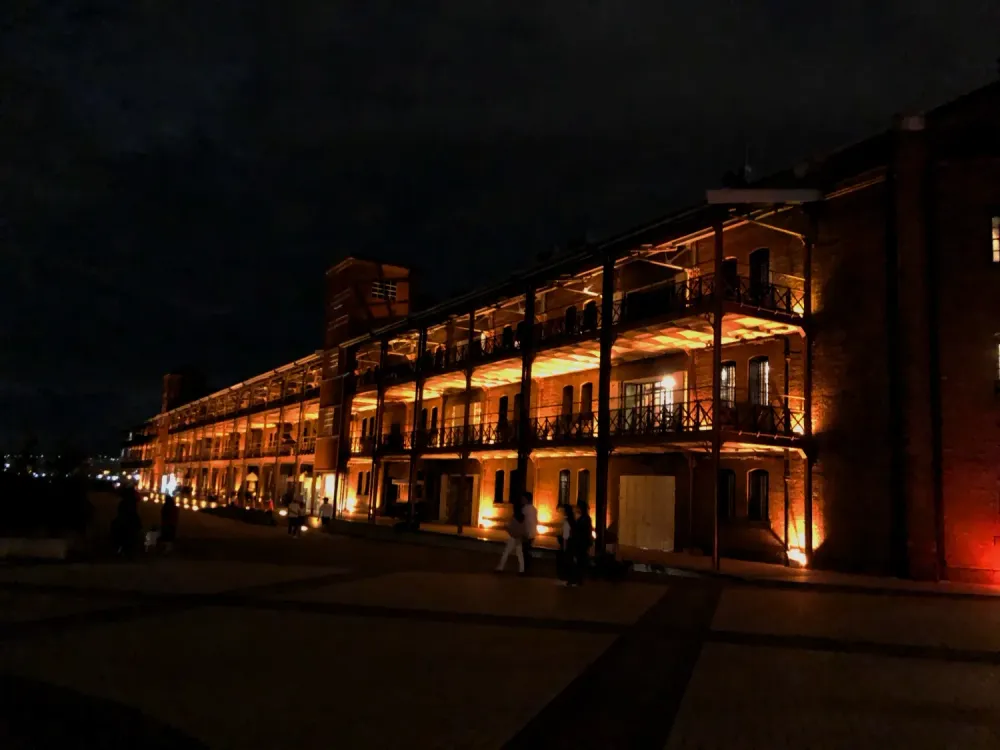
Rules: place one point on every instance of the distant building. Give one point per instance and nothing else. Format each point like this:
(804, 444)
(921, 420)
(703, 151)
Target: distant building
(806, 368)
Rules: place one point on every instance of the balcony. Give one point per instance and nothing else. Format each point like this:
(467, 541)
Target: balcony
(308, 445)
(551, 426)
(696, 416)
(362, 446)
(697, 293)
(568, 324)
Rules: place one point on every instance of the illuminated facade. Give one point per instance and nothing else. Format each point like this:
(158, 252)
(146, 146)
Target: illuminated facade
(781, 373)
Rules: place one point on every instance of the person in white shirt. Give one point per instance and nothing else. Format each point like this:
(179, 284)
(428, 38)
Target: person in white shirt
(530, 529)
(325, 512)
(294, 517)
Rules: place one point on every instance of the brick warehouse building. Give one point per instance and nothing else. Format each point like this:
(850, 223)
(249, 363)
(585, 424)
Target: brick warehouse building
(806, 368)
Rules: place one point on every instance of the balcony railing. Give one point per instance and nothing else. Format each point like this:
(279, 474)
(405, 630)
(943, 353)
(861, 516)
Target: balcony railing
(362, 445)
(687, 294)
(560, 427)
(308, 445)
(569, 323)
(693, 416)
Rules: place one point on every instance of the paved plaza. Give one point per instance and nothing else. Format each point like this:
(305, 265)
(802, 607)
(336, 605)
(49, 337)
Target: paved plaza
(245, 638)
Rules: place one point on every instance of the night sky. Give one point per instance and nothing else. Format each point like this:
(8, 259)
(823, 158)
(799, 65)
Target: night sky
(176, 176)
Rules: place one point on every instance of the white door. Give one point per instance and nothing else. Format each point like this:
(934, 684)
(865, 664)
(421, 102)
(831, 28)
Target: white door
(646, 512)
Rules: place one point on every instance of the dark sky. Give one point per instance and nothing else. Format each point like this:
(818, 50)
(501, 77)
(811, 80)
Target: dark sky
(176, 175)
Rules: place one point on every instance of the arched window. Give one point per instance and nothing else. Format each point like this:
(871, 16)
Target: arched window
(434, 419)
(760, 273)
(727, 494)
(564, 487)
(502, 411)
(758, 486)
(587, 399)
(730, 277)
(583, 486)
(728, 390)
(758, 381)
(571, 319)
(567, 401)
(498, 487)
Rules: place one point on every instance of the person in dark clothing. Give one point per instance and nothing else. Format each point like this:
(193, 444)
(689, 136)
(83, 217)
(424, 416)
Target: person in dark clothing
(581, 537)
(126, 525)
(169, 516)
(563, 555)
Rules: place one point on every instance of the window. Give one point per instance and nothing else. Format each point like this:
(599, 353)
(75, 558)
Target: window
(996, 239)
(587, 399)
(364, 428)
(361, 484)
(434, 419)
(583, 486)
(502, 411)
(727, 494)
(385, 289)
(498, 487)
(515, 484)
(757, 492)
(567, 401)
(564, 487)
(760, 270)
(759, 381)
(728, 377)
(368, 483)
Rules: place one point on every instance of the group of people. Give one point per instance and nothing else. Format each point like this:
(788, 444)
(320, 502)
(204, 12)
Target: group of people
(575, 539)
(298, 513)
(126, 527)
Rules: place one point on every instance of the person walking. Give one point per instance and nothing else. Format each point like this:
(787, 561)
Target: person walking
(126, 525)
(325, 513)
(530, 529)
(515, 532)
(581, 537)
(169, 516)
(294, 517)
(563, 554)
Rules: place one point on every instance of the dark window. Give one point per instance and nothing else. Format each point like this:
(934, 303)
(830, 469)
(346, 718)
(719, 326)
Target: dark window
(564, 487)
(730, 276)
(728, 378)
(517, 407)
(583, 486)
(571, 319)
(587, 399)
(361, 483)
(502, 410)
(515, 485)
(423, 420)
(760, 271)
(368, 483)
(759, 381)
(434, 419)
(498, 487)
(364, 428)
(567, 401)
(384, 289)
(727, 494)
(758, 484)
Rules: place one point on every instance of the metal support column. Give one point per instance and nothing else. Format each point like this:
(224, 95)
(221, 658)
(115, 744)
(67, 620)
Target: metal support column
(416, 433)
(466, 438)
(607, 338)
(807, 376)
(717, 300)
(525, 434)
(298, 438)
(377, 429)
(278, 433)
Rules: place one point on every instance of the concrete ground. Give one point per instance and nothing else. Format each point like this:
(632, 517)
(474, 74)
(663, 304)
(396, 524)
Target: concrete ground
(245, 638)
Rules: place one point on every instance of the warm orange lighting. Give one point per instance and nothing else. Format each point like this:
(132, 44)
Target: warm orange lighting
(797, 555)
(542, 529)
